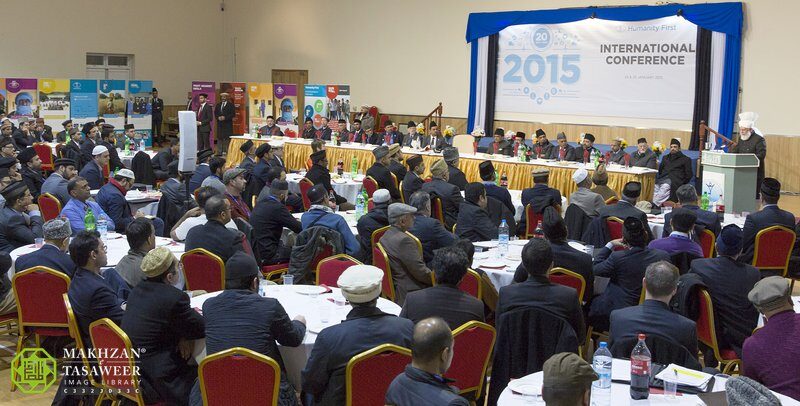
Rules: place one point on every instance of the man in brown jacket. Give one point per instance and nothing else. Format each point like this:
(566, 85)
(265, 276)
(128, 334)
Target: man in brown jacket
(409, 272)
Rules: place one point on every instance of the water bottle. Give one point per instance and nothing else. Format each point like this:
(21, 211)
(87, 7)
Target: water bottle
(502, 239)
(359, 206)
(640, 370)
(89, 220)
(102, 227)
(602, 366)
(704, 201)
(141, 144)
(354, 166)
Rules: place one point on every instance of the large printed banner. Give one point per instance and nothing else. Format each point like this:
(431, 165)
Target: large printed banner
(111, 103)
(237, 97)
(260, 104)
(316, 101)
(594, 67)
(22, 98)
(285, 96)
(83, 100)
(209, 88)
(338, 102)
(54, 101)
(140, 108)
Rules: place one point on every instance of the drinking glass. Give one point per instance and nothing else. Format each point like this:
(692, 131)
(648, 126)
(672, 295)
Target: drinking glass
(288, 279)
(670, 387)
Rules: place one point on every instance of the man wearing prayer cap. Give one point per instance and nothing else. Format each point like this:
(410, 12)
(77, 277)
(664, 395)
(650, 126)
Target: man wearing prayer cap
(61, 136)
(365, 327)
(53, 253)
(448, 193)
(159, 319)
(376, 218)
(249, 151)
(500, 146)
(488, 178)
(751, 142)
(319, 174)
(414, 139)
(455, 175)
(769, 215)
(584, 152)
(111, 198)
(676, 167)
(93, 170)
(542, 148)
(64, 169)
(396, 165)
(412, 182)
(644, 157)
(590, 202)
(381, 173)
(600, 181)
(567, 380)
(20, 220)
(31, 171)
(321, 214)
(563, 151)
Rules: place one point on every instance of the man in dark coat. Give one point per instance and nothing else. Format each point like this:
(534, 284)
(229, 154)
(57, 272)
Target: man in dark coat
(500, 146)
(91, 135)
(687, 197)
(23, 136)
(164, 157)
(447, 192)
(381, 173)
(61, 136)
(676, 167)
(429, 231)
(319, 175)
(586, 149)
(107, 140)
(474, 223)
(92, 171)
(160, 321)
(376, 218)
(157, 109)
(214, 236)
(390, 136)
(270, 216)
(205, 116)
(455, 175)
(53, 253)
(260, 169)
(20, 219)
(111, 198)
(412, 181)
(563, 151)
(396, 163)
(617, 153)
(540, 196)
(72, 149)
(249, 150)
(751, 142)
(542, 148)
(31, 171)
(626, 207)
(224, 112)
(201, 171)
(644, 157)
(769, 215)
(488, 178)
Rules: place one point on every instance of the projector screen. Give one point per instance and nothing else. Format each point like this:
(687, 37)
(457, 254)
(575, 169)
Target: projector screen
(594, 71)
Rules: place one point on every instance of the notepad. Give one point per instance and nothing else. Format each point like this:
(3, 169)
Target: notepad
(685, 376)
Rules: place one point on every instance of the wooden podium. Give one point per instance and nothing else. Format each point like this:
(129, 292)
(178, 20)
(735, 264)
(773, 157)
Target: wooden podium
(734, 177)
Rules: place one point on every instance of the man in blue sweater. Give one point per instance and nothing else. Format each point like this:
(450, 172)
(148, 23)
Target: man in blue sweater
(321, 214)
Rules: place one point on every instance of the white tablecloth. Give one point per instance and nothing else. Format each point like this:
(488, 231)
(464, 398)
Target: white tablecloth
(274, 143)
(295, 304)
(147, 202)
(127, 157)
(656, 222)
(347, 188)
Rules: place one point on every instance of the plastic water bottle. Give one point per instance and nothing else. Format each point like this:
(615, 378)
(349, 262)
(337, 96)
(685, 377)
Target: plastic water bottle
(359, 206)
(89, 220)
(353, 166)
(602, 366)
(502, 239)
(704, 201)
(640, 370)
(141, 145)
(102, 227)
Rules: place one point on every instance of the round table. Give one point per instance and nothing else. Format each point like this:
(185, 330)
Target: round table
(295, 358)
(344, 186)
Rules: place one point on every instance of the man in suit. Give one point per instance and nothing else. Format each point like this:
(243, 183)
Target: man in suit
(376, 218)
(20, 219)
(676, 167)
(141, 238)
(586, 149)
(542, 148)
(540, 196)
(164, 157)
(412, 181)
(500, 146)
(160, 321)
(107, 140)
(729, 280)
(372, 137)
(270, 216)
(53, 253)
(488, 178)
(519, 141)
(321, 214)
(324, 132)
(455, 175)
(357, 133)
(626, 207)
(276, 160)
(319, 175)
(590, 202)
(625, 269)
(157, 111)
(687, 197)
(448, 193)
(653, 316)
(249, 151)
(90, 141)
(41, 131)
(23, 136)
(381, 173)
(563, 151)
(769, 215)
(538, 292)
(201, 171)
(390, 135)
(72, 149)
(205, 115)
(56, 183)
(79, 204)
(751, 142)
(474, 223)
(174, 189)
(396, 163)
(31, 171)
(270, 129)
(93, 170)
(260, 169)
(214, 236)
(617, 154)
(445, 300)
(414, 139)
(429, 231)
(437, 142)
(235, 184)
(680, 240)
(405, 259)
(224, 112)
(365, 327)
(308, 129)
(644, 157)
(61, 136)
(111, 198)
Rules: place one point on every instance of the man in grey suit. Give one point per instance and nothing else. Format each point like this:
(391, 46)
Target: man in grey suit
(447, 192)
(415, 139)
(405, 259)
(56, 183)
(590, 202)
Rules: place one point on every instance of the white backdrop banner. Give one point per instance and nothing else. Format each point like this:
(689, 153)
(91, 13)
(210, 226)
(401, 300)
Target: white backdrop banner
(640, 69)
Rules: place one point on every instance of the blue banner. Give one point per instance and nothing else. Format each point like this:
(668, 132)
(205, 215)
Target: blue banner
(83, 100)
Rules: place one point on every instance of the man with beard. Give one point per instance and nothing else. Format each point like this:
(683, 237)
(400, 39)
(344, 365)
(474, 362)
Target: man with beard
(563, 151)
(543, 148)
(751, 142)
(584, 152)
(676, 167)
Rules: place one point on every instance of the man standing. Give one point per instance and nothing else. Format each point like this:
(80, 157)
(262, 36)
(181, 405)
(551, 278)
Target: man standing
(205, 115)
(676, 167)
(381, 173)
(644, 157)
(590, 202)
(405, 259)
(584, 152)
(564, 151)
(79, 204)
(751, 142)
(455, 175)
(56, 183)
(474, 223)
(270, 216)
(157, 107)
(769, 215)
(439, 187)
(234, 186)
(20, 219)
(31, 171)
(224, 112)
(413, 182)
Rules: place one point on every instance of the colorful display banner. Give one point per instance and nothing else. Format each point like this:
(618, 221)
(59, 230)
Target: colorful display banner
(54, 101)
(259, 105)
(83, 100)
(316, 104)
(209, 88)
(2, 96)
(338, 102)
(236, 94)
(111, 103)
(140, 109)
(22, 98)
(286, 108)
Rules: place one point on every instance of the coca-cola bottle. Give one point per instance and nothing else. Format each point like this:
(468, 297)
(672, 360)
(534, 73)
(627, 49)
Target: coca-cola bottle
(340, 167)
(640, 370)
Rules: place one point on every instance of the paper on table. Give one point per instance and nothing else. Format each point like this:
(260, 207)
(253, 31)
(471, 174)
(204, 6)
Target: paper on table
(685, 376)
(621, 370)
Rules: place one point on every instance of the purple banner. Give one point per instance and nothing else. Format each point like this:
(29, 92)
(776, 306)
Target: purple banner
(23, 98)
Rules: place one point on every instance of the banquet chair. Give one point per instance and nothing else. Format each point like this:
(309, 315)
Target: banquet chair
(707, 242)
(773, 248)
(49, 205)
(305, 186)
(59, 148)
(115, 382)
(419, 250)
(463, 143)
(396, 184)
(473, 343)
(469, 284)
(707, 334)
(75, 333)
(368, 375)
(370, 185)
(532, 220)
(107, 171)
(274, 272)
(565, 277)
(380, 259)
(330, 268)
(370, 205)
(45, 153)
(202, 270)
(614, 225)
(377, 234)
(239, 376)
(437, 211)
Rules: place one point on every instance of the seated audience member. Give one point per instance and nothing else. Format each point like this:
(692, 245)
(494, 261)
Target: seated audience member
(270, 216)
(455, 176)
(564, 256)
(644, 156)
(474, 223)
(625, 268)
(729, 281)
(405, 259)
(72, 149)
(396, 163)
(567, 380)
(538, 292)
(20, 219)
(31, 171)
(590, 202)
(111, 198)
(92, 171)
(321, 214)
(365, 327)
(626, 206)
(160, 321)
(376, 218)
(449, 193)
(239, 317)
(680, 239)
(166, 156)
(488, 178)
(381, 173)
(654, 316)
(445, 299)
(320, 175)
(214, 236)
(8, 303)
(78, 206)
(769, 215)
(197, 216)
(234, 186)
(316, 146)
(90, 294)
(53, 253)
(217, 167)
(56, 183)
(423, 381)
(201, 171)
(174, 189)
(413, 182)
(540, 195)
(687, 197)
(771, 355)
(429, 231)
(600, 181)
(676, 167)
(107, 140)
(248, 148)
(141, 240)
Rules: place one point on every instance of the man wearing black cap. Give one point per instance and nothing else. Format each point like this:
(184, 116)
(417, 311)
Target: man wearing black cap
(473, 221)
(107, 140)
(455, 175)
(540, 195)
(90, 141)
(617, 154)
(128, 133)
(271, 130)
(20, 220)
(644, 157)
(676, 167)
(769, 215)
(687, 197)
(224, 112)
(308, 129)
(249, 151)
(414, 139)
(157, 106)
(381, 173)
(31, 171)
(729, 280)
(319, 175)
(205, 115)
(543, 148)
(413, 182)
(519, 141)
(56, 184)
(390, 136)
(321, 214)
(436, 140)
(270, 216)
(260, 169)
(357, 135)
(500, 146)
(201, 171)
(488, 178)
(585, 151)
(563, 151)
(626, 207)
(61, 136)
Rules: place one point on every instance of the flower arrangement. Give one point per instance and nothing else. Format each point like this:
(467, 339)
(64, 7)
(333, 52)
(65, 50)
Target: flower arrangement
(478, 132)
(580, 139)
(421, 129)
(449, 131)
(657, 148)
(622, 143)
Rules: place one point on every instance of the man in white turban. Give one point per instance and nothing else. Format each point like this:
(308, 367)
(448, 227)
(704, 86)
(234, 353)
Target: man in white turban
(751, 142)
